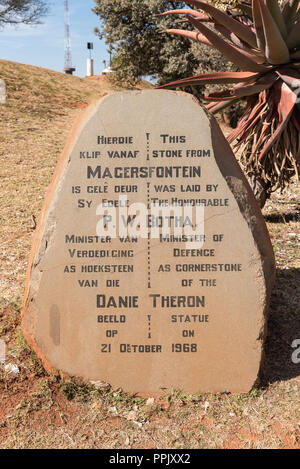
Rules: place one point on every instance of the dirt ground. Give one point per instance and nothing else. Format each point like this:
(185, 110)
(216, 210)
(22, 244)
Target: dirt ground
(41, 411)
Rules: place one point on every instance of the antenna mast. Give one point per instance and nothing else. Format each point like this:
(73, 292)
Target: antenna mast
(69, 69)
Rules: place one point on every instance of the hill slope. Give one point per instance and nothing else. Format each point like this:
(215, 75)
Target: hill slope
(43, 93)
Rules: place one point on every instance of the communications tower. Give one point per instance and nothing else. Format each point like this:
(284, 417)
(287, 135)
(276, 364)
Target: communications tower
(69, 69)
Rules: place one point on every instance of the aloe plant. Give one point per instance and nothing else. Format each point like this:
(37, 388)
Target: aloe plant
(262, 39)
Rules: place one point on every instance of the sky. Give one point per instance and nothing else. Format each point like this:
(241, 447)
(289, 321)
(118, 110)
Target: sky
(43, 45)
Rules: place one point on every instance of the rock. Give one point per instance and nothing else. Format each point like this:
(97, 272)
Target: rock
(172, 293)
(101, 386)
(150, 401)
(113, 410)
(11, 369)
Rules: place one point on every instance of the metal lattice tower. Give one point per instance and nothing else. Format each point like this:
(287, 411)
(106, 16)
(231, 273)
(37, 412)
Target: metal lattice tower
(68, 53)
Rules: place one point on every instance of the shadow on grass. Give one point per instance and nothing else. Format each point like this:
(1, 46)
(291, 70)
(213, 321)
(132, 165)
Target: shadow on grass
(283, 328)
(282, 217)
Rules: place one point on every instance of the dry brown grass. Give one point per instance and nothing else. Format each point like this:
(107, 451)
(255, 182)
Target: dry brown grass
(39, 411)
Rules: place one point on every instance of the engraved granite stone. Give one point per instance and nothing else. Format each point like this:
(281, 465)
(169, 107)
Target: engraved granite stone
(151, 265)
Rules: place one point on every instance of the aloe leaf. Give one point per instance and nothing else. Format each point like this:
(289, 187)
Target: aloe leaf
(258, 24)
(295, 55)
(186, 11)
(230, 36)
(183, 21)
(290, 77)
(293, 39)
(219, 96)
(241, 91)
(267, 122)
(285, 101)
(290, 12)
(240, 58)
(213, 78)
(220, 28)
(245, 9)
(219, 105)
(236, 42)
(248, 119)
(275, 11)
(260, 85)
(190, 35)
(296, 119)
(276, 49)
(255, 55)
(242, 31)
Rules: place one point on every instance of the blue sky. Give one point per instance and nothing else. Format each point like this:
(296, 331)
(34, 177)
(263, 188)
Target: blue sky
(43, 45)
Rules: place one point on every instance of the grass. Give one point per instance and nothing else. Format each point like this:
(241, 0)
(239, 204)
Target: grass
(41, 411)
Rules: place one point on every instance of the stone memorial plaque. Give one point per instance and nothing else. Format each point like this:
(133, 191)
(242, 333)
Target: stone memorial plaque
(152, 265)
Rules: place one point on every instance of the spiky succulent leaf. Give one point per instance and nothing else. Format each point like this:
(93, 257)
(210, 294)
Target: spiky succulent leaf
(185, 11)
(266, 46)
(243, 90)
(230, 36)
(214, 78)
(235, 55)
(258, 25)
(276, 49)
(289, 13)
(258, 86)
(218, 106)
(190, 35)
(275, 12)
(290, 76)
(295, 55)
(246, 9)
(285, 104)
(227, 33)
(242, 31)
(293, 39)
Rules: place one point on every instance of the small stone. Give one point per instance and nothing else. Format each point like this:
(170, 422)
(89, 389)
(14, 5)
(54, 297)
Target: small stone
(113, 410)
(131, 415)
(206, 406)
(101, 385)
(96, 405)
(139, 424)
(150, 401)
(11, 369)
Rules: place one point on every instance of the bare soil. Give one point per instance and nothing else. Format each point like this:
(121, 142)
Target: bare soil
(42, 411)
